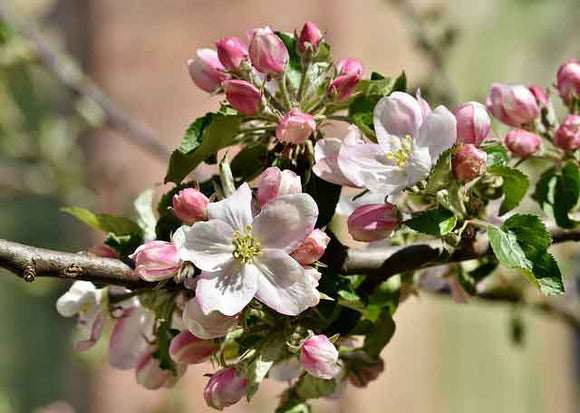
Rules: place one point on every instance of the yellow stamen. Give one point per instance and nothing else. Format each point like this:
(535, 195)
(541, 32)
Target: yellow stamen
(400, 155)
(245, 246)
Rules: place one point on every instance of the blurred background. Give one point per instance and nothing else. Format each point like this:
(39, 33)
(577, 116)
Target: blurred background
(55, 151)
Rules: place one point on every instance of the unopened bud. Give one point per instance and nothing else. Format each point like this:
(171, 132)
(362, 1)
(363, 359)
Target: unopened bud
(568, 134)
(295, 127)
(243, 96)
(185, 348)
(312, 248)
(224, 388)
(522, 143)
(469, 162)
(514, 105)
(275, 182)
(319, 357)
(568, 79)
(231, 52)
(267, 52)
(473, 123)
(206, 71)
(372, 222)
(190, 206)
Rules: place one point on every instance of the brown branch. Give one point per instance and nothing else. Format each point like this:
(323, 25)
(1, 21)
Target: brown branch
(78, 83)
(30, 262)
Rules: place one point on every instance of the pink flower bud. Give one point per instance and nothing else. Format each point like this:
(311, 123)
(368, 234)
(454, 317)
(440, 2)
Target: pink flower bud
(267, 52)
(319, 357)
(522, 143)
(473, 123)
(372, 222)
(540, 95)
(469, 162)
(568, 79)
(344, 86)
(243, 96)
(312, 248)
(295, 127)
(275, 182)
(568, 134)
(224, 388)
(156, 261)
(150, 375)
(350, 65)
(206, 71)
(309, 37)
(190, 206)
(231, 52)
(514, 105)
(185, 348)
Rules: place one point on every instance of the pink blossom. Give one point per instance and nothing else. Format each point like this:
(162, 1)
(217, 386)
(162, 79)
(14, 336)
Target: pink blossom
(231, 52)
(469, 162)
(350, 65)
(275, 183)
(309, 37)
(130, 337)
(319, 357)
(473, 123)
(267, 52)
(206, 71)
(190, 206)
(343, 86)
(522, 143)
(156, 261)
(568, 134)
(568, 79)
(243, 96)
(224, 388)
(295, 127)
(151, 375)
(514, 105)
(312, 248)
(372, 222)
(185, 348)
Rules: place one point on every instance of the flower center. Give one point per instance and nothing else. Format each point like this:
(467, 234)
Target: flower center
(245, 246)
(400, 155)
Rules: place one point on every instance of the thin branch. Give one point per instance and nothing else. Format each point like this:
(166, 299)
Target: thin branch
(79, 84)
(30, 262)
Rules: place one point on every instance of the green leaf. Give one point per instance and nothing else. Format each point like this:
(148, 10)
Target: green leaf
(291, 403)
(326, 196)
(145, 217)
(267, 353)
(249, 162)
(566, 195)
(436, 222)
(515, 186)
(105, 222)
(522, 242)
(168, 222)
(310, 387)
(124, 245)
(497, 154)
(545, 189)
(380, 335)
(442, 174)
(400, 83)
(204, 137)
(294, 69)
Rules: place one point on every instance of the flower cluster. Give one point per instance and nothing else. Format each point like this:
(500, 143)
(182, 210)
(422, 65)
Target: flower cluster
(249, 269)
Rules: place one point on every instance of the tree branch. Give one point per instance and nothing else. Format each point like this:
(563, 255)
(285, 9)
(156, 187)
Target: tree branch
(78, 83)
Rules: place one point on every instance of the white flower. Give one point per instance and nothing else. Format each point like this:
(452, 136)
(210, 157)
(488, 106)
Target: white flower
(243, 257)
(212, 325)
(410, 140)
(89, 303)
(132, 333)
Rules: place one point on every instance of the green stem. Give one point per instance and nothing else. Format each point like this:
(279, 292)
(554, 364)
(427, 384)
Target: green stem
(303, 81)
(339, 117)
(284, 90)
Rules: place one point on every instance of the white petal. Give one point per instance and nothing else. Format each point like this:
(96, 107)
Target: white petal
(129, 337)
(398, 114)
(213, 325)
(285, 221)
(353, 136)
(418, 165)
(80, 292)
(235, 210)
(283, 285)
(207, 244)
(386, 182)
(360, 160)
(438, 132)
(227, 291)
(326, 147)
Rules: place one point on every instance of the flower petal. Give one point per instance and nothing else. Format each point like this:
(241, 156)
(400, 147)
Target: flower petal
(418, 165)
(207, 244)
(213, 325)
(235, 210)
(285, 221)
(129, 337)
(282, 283)
(227, 291)
(398, 114)
(438, 132)
(359, 160)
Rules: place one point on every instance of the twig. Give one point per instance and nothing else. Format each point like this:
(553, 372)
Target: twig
(78, 83)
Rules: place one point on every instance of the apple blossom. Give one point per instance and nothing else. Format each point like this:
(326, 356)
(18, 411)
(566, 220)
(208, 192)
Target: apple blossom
(522, 143)
(186, 348)
(309, 37)
(206, 70)
(231, 52)
(190, 205)
(243, 96)
(295, 127)
(514, 105)
(224, 388)
(343, 86)
(275, 182)
(213, 325)
(568, 134)
(90, 304)
(319, 357)
(473, 122)
(568, 79)
(408, 145)
(243, 257)
(267, 52)
(130, 337)
(312, 248)
(350, 65)
(151, 375)
(373, 222)
(156, 261)
(469, 162)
